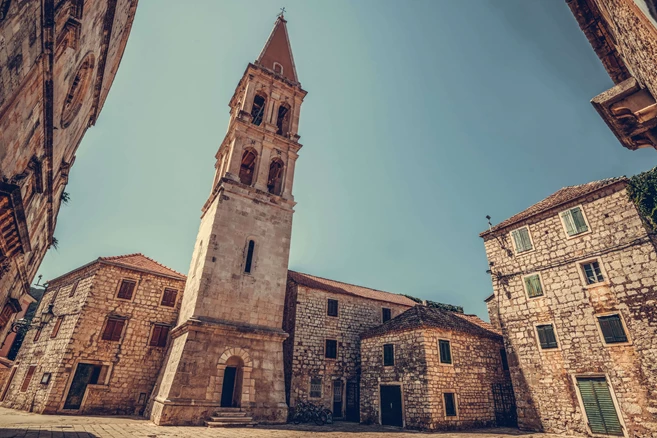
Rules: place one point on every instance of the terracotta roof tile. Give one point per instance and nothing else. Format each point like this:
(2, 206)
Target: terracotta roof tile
(314, 282)
(143, 263)
(562, 196)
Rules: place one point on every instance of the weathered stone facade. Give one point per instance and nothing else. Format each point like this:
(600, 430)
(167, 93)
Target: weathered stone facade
(57, 62)
(84, 302)
(475, 372)
(622, 285)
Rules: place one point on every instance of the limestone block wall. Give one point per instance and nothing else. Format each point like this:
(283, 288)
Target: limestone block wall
(546, 394)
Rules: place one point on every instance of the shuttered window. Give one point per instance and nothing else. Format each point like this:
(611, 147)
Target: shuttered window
(169, 297)
(316, 387)
(386, 314)
(388, 355)
(445, 351)
(574, 222)
(55, 329)
(612, 329)
(159, 336)
(450, 404)
(599, 406)
(28, 378)
(331, 350)
(521, 240)
(546, 336)
(533, 286)
(332, 309)
(126, 289)
(592, 272)
(113, 329)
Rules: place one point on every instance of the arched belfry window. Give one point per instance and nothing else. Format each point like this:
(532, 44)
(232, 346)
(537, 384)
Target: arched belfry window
(275, 180)
(247, 168)
(248, 263)
(283, 120)
(278, 68)
(258, 109)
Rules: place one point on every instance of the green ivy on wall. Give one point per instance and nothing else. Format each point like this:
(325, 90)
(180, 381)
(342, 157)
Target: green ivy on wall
(643, 192)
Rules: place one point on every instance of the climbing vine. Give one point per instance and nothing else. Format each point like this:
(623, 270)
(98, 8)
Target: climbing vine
(643, 192)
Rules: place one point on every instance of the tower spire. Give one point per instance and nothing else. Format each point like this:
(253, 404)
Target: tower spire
(276, 55)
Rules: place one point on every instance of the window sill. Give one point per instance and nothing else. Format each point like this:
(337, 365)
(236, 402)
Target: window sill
(594, 285)
(617, 344)
(524, 253)
(575, 236)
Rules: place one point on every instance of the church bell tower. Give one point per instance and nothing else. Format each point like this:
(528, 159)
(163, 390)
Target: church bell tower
(227, 349)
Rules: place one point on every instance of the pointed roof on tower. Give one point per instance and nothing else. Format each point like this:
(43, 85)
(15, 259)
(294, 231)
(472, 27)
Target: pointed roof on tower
(277, 50)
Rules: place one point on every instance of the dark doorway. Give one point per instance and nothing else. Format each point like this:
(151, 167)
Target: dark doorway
(337, 398)
(85, 374)
(353, 400)
(228, 388)
(505, 405)
(391, 405)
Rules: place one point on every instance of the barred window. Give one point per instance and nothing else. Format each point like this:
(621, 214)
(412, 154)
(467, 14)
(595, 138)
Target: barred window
(316, 387)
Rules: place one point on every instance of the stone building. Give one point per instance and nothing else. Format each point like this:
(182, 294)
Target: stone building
(57, 62)
(623, 34)
(103, 346)
(433, 369)
(574, 295)
(325, 319)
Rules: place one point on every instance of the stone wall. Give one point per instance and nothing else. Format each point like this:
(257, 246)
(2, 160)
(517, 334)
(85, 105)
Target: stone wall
(546, 394)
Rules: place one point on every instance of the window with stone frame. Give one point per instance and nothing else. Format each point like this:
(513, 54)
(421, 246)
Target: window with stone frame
(169, 297)
(73, 289)
(331, 349)
(612, 329)
(248, 263)
(546, 336)
(258, 108)
(386, 314)
(450, 404)
(28, 378)
(533, 285)
(159, 335)
(332, 307)
(315, 387)
(592, 272)
(113, 329)
(522, 242)
(55, 329)
(574, 221)
(445, 351)
(388, 355)
(126, 289)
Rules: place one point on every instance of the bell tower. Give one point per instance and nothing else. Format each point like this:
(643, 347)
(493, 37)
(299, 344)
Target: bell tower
(226, 350)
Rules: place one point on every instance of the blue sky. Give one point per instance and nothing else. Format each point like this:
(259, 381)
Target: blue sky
(422, 117)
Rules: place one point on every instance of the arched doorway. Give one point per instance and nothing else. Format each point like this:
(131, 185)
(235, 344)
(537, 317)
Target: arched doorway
(231, 388)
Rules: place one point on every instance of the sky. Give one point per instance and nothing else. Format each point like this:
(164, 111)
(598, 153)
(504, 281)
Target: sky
(422, 117)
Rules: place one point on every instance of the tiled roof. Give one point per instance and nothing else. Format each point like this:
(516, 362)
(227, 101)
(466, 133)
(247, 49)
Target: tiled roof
(314, 282)
(427, 317)
(141, 262)
(564, 195)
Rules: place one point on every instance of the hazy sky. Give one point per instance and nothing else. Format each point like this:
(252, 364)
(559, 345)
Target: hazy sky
(422, 117)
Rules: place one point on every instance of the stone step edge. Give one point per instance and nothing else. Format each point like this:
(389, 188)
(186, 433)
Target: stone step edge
(231, 419)
(223, 424)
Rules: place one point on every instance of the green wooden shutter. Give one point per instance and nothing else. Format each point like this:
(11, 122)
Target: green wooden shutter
(445, 352)
(516, 240)
(578, 220)
(612, 329)
(533, 285)
(569, 222)
(599, 406)
(526, 241)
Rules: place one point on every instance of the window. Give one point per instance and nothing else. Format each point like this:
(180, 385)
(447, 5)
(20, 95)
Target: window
(278, 68)
(55, 329)
(247, 167)
(331, 350)
(546, 336)
(78, 91)
(316, 387)
(505, 360)
(169, 297)
(521, 240)
(533, 286)
(258, 109)
(45, 378)
(159, 335)
(275, 180)
(332, 309)
(386, 314)
(574, 221)
(73, 289)
(4, 7)
(612, 329)
(126, 289)
(5, 315)
(450, 404)
(113, 329)
(248, 264)
(37, 335)
(592, 272)
(283, 120)
(445, 351)
(28, 378)
(388, 355)
(599, 406)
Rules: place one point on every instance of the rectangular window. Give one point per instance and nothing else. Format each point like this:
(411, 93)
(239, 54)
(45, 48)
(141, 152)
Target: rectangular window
(37, 335)
(332, 309)
(55, 329)
(331, 350)
(599, 406)
(113, 329)
(159, 336)
(533, 286)
(574, 222)
(592, 272)
(316, 387)
(445, 351)
(386, 314)
(169, 297)
(521, 240)
(73, 289)
(28, 378)
(450, 404)
(505, 360)
(612, 329)
(388, 355)
(546, 336)
(126, 289)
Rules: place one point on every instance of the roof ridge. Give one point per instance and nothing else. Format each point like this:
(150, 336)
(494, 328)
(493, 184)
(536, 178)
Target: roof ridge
(344, 282)
(138, 254)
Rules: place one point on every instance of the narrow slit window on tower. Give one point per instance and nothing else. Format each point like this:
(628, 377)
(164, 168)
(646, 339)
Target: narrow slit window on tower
(275, 180)
(249, 257)
(258, 109)
(283, 120)
(247, 168)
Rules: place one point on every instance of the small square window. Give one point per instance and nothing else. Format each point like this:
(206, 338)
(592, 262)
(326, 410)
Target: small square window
(169, 297)
(331, 350)
(546, 336)
(450, 404)
(113, 329)
(386, 314)
(316, 387)
(574, 222)
(159, 336)
(612, 329)
(388, 355)
(592, 272)
(533, 286)
(445, 351)
(126, 289)
(332, 309)
(521, 240)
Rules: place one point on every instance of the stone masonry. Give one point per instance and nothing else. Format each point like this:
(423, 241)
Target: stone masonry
(83, 301)
(547, 377)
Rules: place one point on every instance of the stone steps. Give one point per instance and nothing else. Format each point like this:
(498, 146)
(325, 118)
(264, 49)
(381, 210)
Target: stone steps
(230, 417)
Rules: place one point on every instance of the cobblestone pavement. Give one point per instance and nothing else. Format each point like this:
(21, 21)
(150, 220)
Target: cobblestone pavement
(26, 425)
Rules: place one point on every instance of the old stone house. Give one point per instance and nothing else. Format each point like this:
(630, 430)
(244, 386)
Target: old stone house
(102, 348)
(430, 368)
(623, 34)
(574, 295)
(57, 62)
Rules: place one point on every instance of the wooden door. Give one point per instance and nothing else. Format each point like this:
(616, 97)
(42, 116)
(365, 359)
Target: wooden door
(599, 406)
(391, 405)
(353, 400)
(83, 375)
